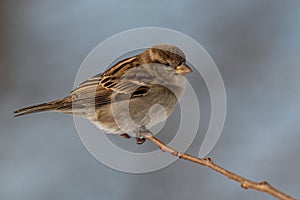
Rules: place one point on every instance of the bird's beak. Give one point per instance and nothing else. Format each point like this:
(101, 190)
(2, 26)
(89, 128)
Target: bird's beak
(183, 69)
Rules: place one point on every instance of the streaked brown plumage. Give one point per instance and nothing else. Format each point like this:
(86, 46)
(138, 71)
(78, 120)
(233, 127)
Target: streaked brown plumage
(118, 100)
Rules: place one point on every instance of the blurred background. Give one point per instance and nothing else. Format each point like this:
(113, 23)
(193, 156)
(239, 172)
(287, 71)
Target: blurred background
(254, 43)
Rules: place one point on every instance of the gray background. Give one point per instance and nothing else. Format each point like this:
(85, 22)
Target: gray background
(254, 43)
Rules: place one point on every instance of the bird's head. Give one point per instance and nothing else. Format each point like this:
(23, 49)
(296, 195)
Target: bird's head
(169, 56)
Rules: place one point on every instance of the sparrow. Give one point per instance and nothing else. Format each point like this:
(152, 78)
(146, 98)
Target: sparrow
(124, 98)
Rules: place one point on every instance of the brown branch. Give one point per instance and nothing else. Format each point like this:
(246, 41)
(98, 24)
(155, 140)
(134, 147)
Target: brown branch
(245, 183)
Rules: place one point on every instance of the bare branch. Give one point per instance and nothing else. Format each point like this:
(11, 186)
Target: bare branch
(245, 183)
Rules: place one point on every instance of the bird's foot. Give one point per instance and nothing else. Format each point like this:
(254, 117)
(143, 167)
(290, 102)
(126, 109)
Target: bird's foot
(140, 140)
(139, 133)
(125, 135)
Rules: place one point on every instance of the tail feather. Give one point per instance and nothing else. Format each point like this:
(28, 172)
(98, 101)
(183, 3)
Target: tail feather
(58, 105)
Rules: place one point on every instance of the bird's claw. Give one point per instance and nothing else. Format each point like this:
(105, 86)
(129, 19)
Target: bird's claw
(140, 132)
(140, 140)
(125, 135)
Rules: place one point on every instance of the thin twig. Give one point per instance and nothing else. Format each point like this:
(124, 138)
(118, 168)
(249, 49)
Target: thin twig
(245, 183)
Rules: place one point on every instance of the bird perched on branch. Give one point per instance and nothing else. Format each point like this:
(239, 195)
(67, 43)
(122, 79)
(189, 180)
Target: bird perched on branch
(123, 98)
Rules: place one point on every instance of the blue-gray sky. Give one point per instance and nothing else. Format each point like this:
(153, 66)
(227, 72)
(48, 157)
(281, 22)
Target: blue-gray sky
(255, 44)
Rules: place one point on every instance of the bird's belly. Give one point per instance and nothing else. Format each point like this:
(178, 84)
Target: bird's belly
(128, 115)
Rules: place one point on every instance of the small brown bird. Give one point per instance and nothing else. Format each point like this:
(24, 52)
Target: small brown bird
(122, 98)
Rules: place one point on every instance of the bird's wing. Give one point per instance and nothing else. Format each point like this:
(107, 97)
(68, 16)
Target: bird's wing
(112, 86)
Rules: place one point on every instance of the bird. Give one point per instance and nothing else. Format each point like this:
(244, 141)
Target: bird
(122, 99)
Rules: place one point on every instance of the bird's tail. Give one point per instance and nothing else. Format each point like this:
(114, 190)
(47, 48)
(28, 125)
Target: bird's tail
(61, 105)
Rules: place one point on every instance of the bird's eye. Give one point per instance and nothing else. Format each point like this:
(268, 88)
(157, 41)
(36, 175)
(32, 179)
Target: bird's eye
(167, 64)
(180, 63)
